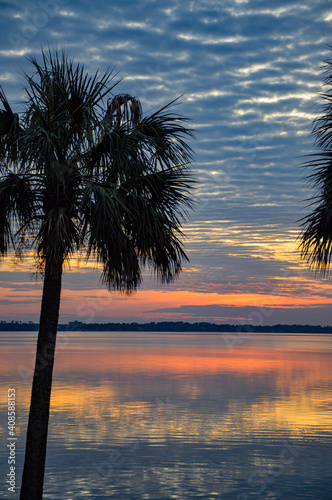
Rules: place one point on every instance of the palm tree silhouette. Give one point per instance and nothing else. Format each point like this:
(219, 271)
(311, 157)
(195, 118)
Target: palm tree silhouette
(316, 234)
(81, 169)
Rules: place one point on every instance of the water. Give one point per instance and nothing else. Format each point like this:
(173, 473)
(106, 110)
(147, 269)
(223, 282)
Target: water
(178, 416)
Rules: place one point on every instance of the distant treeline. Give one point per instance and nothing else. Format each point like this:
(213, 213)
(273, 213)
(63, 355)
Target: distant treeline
(167, 326)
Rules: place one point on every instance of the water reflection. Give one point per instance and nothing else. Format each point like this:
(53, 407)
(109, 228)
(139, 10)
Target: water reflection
(144, 417)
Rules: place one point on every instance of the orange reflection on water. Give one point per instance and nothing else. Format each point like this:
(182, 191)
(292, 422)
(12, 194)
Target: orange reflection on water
(286, 391)
(177, 361)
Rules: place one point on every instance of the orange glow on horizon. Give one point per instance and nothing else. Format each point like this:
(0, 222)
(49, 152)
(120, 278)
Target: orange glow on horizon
(89, 304)
(83, 299)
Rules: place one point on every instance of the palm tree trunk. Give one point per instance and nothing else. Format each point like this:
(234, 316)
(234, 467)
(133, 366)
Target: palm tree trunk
(35, 453)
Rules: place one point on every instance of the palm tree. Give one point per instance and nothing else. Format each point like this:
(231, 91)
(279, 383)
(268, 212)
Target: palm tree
(316, 235)
(82, 170)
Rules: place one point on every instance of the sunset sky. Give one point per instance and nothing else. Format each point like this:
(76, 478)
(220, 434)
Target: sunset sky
(249, 73)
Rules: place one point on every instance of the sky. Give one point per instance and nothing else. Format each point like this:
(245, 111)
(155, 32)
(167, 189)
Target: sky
(249, 73)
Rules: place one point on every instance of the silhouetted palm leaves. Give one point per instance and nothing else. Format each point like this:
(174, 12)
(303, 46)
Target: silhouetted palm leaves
(316, 235)
(82, 169)
(77, 173)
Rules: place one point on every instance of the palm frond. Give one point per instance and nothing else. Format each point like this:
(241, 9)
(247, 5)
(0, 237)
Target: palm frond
(57, 239)
(9, 130)
(104, 178)
(164, 138)
(16, 204)
(123, 109)
(315, 240)
(104, 208)
(316, 228)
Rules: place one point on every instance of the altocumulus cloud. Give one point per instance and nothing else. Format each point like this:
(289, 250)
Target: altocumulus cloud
(248, 73)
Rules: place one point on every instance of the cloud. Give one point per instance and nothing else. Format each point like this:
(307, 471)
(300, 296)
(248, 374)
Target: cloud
(258, 316)
(248, 73)
(5, 302)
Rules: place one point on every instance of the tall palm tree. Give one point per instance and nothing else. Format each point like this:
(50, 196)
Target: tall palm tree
(316, 235)
(82, 170)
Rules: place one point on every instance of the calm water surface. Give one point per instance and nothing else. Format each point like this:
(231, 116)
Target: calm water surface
(178, 416)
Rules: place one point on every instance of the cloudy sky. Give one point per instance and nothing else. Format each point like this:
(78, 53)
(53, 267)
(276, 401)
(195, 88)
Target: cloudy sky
(249, 73)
